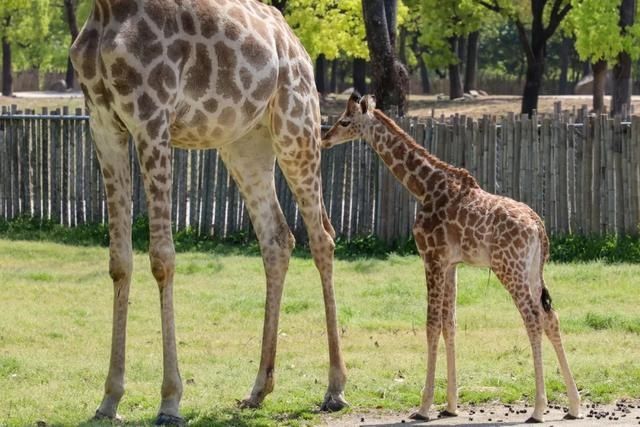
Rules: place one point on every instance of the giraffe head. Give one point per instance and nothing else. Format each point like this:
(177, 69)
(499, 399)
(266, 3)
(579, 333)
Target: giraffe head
(353, 123)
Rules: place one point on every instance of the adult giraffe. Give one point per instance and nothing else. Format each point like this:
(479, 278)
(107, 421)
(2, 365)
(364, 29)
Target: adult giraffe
(221, 74)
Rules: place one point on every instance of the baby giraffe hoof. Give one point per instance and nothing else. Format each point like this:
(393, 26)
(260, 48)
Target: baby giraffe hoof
(569, 416)
(169, 420)
(248, 403)
(418, 417)
(114, 418)
(333, 403)
(447, 414)
(532, 420)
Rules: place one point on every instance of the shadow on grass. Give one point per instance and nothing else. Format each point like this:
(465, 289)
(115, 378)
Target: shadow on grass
(246, 418)
(224, 417)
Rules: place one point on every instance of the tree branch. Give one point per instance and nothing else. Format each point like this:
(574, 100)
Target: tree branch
(556, 18)
(524, 41)
(491, 6)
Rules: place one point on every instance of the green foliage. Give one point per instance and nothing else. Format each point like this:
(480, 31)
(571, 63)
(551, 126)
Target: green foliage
(25, 23)
(612, 249)
(441, 20)
(595, 25)
(38, 31)
(570, 248)
(329, 27)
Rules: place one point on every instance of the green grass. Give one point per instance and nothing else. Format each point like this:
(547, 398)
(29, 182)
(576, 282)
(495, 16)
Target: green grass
(56, 320)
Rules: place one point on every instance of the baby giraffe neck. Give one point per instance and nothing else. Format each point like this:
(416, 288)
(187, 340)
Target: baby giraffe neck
(419, 171)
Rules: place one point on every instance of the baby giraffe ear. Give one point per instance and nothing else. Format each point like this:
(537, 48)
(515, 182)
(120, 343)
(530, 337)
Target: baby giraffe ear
(353, 102)
(368, 103)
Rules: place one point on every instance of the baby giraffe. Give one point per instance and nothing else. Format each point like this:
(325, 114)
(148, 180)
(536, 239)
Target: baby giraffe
(460, 222)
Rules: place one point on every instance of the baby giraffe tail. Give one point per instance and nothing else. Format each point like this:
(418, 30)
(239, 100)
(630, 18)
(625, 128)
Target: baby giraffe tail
(545, 297)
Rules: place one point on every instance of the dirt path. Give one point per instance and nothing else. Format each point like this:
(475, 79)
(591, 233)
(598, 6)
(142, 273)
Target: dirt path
(623, 413)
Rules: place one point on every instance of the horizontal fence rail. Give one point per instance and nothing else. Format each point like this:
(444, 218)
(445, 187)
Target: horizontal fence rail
(579, 172)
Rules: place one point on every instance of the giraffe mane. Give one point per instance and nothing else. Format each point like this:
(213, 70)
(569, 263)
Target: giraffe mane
(462, 174)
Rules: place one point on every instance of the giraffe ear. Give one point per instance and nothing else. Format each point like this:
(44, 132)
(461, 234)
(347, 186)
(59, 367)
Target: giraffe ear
(352, 104)
(368, 103)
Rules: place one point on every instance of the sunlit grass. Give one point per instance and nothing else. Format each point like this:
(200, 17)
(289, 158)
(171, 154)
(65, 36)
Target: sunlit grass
(56, 321)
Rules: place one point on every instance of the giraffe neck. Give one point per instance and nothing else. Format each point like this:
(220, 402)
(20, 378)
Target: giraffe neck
(419, 171)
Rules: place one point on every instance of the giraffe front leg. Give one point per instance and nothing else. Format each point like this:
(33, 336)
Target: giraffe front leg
(305, 183)
(113, 154)
(155, 163)
(449, 335)
(251, 162)
(532, 315)
(435, 288)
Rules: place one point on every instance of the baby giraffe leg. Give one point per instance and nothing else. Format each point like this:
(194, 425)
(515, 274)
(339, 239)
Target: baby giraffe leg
(532, 314)
(435, 289)
(449, 335)
(552, 329)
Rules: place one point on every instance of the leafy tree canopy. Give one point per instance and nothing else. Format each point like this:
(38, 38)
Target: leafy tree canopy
(332, 27)
(597, 33)
(440, 20)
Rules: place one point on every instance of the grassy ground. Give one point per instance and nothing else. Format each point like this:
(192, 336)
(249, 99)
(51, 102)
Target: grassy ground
(55, 333)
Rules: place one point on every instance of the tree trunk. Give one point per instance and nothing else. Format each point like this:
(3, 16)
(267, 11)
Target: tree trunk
(321, 73)
(565, 53)
(424, 75)
(586, 69)
(333, 84)
(599, 82)
(402, 49)
(359, 75)
(455, 84)
(532, 84)
(471, 70)
(621, 96)
(390, 12)
(70, 13)
(7, 78)
(389, 75)
(462, 53)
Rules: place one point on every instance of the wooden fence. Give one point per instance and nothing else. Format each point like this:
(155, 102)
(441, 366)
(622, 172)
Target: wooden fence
(579, 172)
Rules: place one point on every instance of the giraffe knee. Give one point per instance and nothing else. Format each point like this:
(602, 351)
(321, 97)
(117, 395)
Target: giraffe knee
(283, 237)
(163, 261)
(327, 225)
(120, 267)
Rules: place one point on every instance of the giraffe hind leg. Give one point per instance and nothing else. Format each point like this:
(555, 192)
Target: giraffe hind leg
(251, 162)
(552, 330)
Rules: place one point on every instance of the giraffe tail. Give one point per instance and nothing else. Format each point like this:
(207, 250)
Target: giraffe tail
(545, 297)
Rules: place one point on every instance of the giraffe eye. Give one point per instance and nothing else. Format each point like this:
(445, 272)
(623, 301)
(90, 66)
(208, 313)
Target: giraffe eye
(345, 123)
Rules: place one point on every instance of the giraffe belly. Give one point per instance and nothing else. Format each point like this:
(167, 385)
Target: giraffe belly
(476, 254)
(200, 131)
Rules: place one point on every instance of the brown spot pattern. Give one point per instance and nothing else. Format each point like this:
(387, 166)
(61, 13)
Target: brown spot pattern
(199, 75)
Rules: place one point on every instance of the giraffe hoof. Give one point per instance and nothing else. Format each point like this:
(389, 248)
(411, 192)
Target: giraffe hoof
(169, 420)
(99, 416)
(248, 403)
(418, 417)
(446, 414)
(333, 403)
(569, 416)
(532, 420)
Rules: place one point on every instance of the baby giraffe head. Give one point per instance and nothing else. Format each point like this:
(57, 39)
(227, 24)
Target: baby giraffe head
(353, 122)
